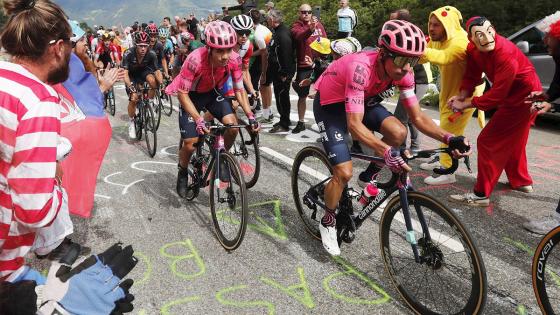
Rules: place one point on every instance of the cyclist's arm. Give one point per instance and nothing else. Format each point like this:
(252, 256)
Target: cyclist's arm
(425, 124)
(164, 65)
(126, 79)
(247, 81)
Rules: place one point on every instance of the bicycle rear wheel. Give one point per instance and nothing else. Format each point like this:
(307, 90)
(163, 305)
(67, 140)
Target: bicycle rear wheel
(111, 100)
(311, 171)
(246, 151)
(546, 273)
(228, 202)
(150, 130)
(451, 278)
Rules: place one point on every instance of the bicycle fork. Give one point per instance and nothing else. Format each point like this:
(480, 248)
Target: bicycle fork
(410, 234)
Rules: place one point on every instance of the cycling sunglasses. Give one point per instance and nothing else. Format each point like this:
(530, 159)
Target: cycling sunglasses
(401, 61)
(243, 32)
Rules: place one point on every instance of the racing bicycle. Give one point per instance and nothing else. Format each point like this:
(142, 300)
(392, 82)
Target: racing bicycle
(430, 257)
(144, 121)
(212, 165)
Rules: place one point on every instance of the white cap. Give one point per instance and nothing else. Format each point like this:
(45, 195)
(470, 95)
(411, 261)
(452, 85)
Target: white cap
(544, 24)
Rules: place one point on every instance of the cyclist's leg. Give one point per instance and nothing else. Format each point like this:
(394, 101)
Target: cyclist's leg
(159, 77)
(152, 82)
(378, 118)
(189, 137)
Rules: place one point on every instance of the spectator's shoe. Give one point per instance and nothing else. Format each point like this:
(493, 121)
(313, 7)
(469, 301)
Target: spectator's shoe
(278, 129)
(428, 166)
(270, 118)
(544, 225)
(440, 180)
(526, 189)
(131, 130)
(299, 127)
(470, 199)
(64, 248)
(182, 182)
(328, 237)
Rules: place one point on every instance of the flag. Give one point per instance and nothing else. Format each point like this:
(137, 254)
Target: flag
(85, 124)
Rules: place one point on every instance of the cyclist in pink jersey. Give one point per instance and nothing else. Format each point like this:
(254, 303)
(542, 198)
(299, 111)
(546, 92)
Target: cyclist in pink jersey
(353, 87)
(207, 75)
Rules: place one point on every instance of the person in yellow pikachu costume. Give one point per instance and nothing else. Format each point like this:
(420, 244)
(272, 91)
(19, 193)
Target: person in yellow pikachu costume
(447, 48)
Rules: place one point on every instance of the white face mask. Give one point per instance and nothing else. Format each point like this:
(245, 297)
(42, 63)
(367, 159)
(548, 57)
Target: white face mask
(484, 36)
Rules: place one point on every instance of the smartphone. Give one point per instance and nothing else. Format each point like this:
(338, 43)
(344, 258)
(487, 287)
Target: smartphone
(317, 11)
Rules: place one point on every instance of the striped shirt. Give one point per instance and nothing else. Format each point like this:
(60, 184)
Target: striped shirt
(29, 195)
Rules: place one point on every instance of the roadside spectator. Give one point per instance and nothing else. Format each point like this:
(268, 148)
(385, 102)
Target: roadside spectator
(552, 96)
(192, 24)
(268, 6)
(501, 144)
(304, 31)
(258, 66)
(281, 68)
(347, 19)
(225, 15)
(166, 22)
(243, 5)
(447, 50)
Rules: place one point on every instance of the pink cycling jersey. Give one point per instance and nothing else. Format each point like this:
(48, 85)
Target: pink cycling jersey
(198, 75)
(352, 79)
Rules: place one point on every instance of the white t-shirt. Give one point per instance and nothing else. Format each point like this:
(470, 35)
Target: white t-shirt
(347, 19)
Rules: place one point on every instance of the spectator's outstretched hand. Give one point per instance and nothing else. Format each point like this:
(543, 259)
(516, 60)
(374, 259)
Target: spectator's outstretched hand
(94, 285)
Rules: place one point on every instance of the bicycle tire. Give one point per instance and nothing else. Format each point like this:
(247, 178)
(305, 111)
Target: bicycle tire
(168, 110)
(139, 119)
(112, 105)
(440, 265)
(240, 209)
(248, 156)
(539, 271)
(158, 108)
(149, 128)
(310, 220)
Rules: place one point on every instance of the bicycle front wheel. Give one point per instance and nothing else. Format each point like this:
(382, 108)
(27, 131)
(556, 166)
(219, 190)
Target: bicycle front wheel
(311, 171)
(451, 277)
(228, 201)
(167, 101)
(546, 273)
(158, 107)
(246, 151)
(150, 130)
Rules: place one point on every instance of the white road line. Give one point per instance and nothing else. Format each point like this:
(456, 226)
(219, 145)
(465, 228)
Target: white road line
(136, 167)
(447, 241)
(101, 196)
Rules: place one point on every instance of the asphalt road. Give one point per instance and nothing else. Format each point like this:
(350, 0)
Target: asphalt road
(278, 268)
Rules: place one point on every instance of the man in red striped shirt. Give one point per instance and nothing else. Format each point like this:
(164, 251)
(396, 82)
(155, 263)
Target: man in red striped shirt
(30, 177)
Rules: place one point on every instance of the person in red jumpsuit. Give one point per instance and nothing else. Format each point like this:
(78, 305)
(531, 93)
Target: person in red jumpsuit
(501, 144)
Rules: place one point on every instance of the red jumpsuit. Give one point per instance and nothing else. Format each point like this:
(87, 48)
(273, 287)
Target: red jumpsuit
(501, 144)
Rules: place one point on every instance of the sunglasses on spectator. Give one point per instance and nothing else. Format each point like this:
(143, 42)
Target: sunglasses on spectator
(244, 32)
(305, 12)
(401, 61)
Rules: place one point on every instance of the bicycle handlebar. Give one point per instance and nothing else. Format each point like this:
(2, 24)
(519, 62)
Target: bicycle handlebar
(439, 171)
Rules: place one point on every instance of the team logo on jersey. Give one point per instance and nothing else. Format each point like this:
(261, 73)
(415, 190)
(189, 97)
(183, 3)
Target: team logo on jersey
(338, 136)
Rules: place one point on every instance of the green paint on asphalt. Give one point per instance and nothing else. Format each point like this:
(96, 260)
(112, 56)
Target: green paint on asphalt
(245, 304)
(177, 259)
(306, 299)
(167, 306)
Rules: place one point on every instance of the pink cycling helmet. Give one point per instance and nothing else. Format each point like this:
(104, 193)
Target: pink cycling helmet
(220, 34)
(402, 38)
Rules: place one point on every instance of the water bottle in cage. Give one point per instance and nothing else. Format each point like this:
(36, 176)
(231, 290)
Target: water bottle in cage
(370, 191)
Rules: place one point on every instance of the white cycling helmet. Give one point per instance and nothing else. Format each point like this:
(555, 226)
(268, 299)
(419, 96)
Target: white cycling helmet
(242, 22)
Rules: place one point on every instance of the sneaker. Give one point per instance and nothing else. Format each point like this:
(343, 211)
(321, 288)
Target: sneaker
(270, 118)
(428, 166)
(329, 239)
(470, 199)
(182, 182)
(526, 189)
(278, 128)
(131, 130)
(544, 225)
(440, 180)
(64, 248)
(299, 127)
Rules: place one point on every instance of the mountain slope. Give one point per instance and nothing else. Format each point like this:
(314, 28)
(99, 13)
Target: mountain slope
(125, 12)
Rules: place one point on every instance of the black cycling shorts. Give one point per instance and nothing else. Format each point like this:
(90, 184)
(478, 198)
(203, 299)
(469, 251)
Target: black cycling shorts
(331, 120)
(217, 105)
(139, 77)
(301, 74)
(255, 72)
